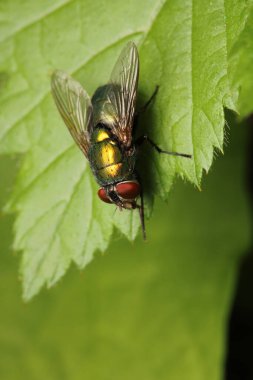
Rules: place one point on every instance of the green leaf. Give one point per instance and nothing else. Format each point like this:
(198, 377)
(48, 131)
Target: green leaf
(185, 47)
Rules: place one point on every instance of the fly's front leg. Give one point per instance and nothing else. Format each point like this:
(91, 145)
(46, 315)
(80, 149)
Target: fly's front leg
(144, 138)
(142, 217)
(141, 208)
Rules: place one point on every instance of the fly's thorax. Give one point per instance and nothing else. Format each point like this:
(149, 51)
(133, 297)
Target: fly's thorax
(100, 133)
(108, 160)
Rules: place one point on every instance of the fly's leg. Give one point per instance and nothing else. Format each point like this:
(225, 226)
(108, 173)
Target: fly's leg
(141, 208)
(144, 108)
(146, 105)
(144, 138)
(142, 218)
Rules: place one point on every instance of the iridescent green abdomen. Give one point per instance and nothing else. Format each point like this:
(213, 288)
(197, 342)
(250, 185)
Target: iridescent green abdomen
(109, 164)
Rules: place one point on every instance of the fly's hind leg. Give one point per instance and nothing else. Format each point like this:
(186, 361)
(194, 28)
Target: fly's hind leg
(140, 140)
(150, 100)
(144, 138)
(144, 108)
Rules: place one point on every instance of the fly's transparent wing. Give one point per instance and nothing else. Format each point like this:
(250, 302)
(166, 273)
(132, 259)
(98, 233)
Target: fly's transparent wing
(120, 99)
(75, 107)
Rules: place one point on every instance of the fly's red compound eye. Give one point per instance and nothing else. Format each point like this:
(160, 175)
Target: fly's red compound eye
(103, 196)
(128, 190)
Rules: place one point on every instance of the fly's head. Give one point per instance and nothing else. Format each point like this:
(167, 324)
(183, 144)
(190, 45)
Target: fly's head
(123, 194)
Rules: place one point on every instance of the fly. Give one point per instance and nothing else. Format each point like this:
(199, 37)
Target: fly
(102, 127)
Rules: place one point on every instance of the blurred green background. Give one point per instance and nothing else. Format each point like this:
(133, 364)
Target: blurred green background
(144, 310)
(180, 305)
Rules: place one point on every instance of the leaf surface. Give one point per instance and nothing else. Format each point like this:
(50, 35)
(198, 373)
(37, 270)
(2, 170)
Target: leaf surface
(192, 49)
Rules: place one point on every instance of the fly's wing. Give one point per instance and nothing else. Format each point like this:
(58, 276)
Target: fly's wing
(120, 95)
(75, 108)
